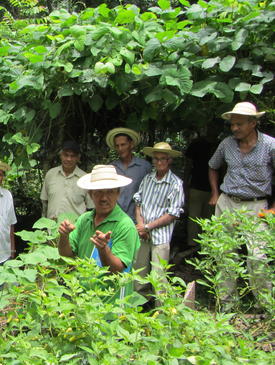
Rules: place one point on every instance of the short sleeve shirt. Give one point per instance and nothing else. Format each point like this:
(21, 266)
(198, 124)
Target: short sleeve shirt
(125, 239)
(7, 218)
(248, 175)
(136, 171)
(62, 193)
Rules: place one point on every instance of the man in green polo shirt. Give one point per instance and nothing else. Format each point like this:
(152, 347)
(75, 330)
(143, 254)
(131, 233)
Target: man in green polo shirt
(106, 233)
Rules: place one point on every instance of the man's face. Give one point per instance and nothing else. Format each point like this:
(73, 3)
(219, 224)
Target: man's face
(161, 162)
(242, 126)
(123, 146)
(104, 200)
(2, 175)
(69, 159)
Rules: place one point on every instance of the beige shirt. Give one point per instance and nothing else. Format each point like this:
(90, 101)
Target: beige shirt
(62, 193)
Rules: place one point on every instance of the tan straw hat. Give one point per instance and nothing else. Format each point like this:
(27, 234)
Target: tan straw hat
(129, 132)
(163, 147)
(4, 166)
(103, 177)
(244, 108)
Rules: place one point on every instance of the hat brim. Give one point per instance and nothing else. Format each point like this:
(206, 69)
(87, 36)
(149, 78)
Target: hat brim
(85, 183)
(149, 151)
(131, 133)
(227, 115)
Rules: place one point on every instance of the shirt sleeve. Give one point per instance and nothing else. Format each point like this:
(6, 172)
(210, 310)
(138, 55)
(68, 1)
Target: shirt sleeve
(176, 200)
(125, 243)
(44, 194)
(138, 195)
(11, 214)
(217, 159)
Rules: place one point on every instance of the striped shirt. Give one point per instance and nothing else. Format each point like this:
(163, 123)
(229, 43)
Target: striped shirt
(158, 197)
(248, 175)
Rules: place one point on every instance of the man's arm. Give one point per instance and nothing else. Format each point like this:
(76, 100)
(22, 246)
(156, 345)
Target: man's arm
(12, 241)
(64, 246)
(164, 220)
(214, 183)
(101, 240)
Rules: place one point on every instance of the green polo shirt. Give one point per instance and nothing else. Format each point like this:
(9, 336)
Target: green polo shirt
(125, 239)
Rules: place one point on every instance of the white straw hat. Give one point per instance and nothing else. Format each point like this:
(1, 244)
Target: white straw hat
(4, 166)
(244, 108)
(129, 132)
(103, 177)
(163, 147)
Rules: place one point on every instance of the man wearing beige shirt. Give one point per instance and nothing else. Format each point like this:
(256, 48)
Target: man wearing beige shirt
(60, 193)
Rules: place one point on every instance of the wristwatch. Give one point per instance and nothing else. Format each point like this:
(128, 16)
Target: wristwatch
(146, 227)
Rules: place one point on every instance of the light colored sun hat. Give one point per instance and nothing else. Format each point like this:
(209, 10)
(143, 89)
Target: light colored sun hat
(244, 108)
(4, 166)
(103, 177)
(162, 147)
(129, 132)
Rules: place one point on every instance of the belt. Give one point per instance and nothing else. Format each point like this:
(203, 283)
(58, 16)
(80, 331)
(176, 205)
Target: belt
(238, 199)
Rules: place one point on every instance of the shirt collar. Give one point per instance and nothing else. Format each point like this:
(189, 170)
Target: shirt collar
(114, 216)
(76, 172)
(166, 178)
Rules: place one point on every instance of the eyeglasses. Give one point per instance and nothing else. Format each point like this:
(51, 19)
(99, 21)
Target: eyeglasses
(162, 159)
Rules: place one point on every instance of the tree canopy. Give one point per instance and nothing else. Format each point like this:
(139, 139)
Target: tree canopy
(168, 68)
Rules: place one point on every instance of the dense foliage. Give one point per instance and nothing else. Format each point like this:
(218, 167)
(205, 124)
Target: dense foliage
(49, 316)
(164, 69)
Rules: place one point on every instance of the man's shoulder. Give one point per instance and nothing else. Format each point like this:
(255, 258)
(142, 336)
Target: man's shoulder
(5, 192)
(267, 139)
(142, 161)
(175, 179)
(79, 172)
(53, 170)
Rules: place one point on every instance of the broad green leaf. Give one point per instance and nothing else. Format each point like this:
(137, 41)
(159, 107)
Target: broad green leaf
(125, 16)
(31, 82)
(256, 89)
(195, 12)
(210, 62)
(33, 58)
(243, 86)
(239, 40)
(164, 4)
(227, 63)
(152, 48)
(129, 56)
(65, 90)
(29, 274)
(154, 95)
(63, 47)
(44, 222)
(33, 147)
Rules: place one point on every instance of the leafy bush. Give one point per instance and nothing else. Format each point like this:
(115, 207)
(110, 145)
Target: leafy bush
(50, 317)
(222, 250)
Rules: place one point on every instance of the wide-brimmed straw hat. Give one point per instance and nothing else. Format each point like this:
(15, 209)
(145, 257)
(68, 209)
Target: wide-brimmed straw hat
(163, 147)
(244, 108)
(103, 177)
(4, 166)
(129, 132)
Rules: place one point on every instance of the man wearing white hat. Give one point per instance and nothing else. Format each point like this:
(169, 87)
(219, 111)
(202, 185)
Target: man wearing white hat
(123, 141)
(7, 219)
(158, 204)
(106, 233)
(250, 158)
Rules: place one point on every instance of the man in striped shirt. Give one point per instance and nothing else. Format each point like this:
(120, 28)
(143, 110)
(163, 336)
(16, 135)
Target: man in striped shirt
(158, 204)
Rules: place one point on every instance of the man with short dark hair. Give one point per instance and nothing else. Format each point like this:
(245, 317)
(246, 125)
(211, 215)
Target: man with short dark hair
(123, 141)
(7, 219)
(60, 194)
(250, 158)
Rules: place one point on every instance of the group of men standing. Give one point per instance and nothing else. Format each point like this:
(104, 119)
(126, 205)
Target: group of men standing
(135, 209)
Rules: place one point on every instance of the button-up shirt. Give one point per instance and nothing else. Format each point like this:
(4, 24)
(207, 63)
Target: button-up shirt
(62, 193)
(248, 175)
(7, 219)
(136, 171)
(158, 197)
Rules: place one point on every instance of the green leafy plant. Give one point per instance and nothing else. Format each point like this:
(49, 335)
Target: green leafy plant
(222, 242)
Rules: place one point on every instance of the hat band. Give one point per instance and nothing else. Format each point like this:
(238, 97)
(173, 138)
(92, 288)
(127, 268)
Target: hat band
(102, 176)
